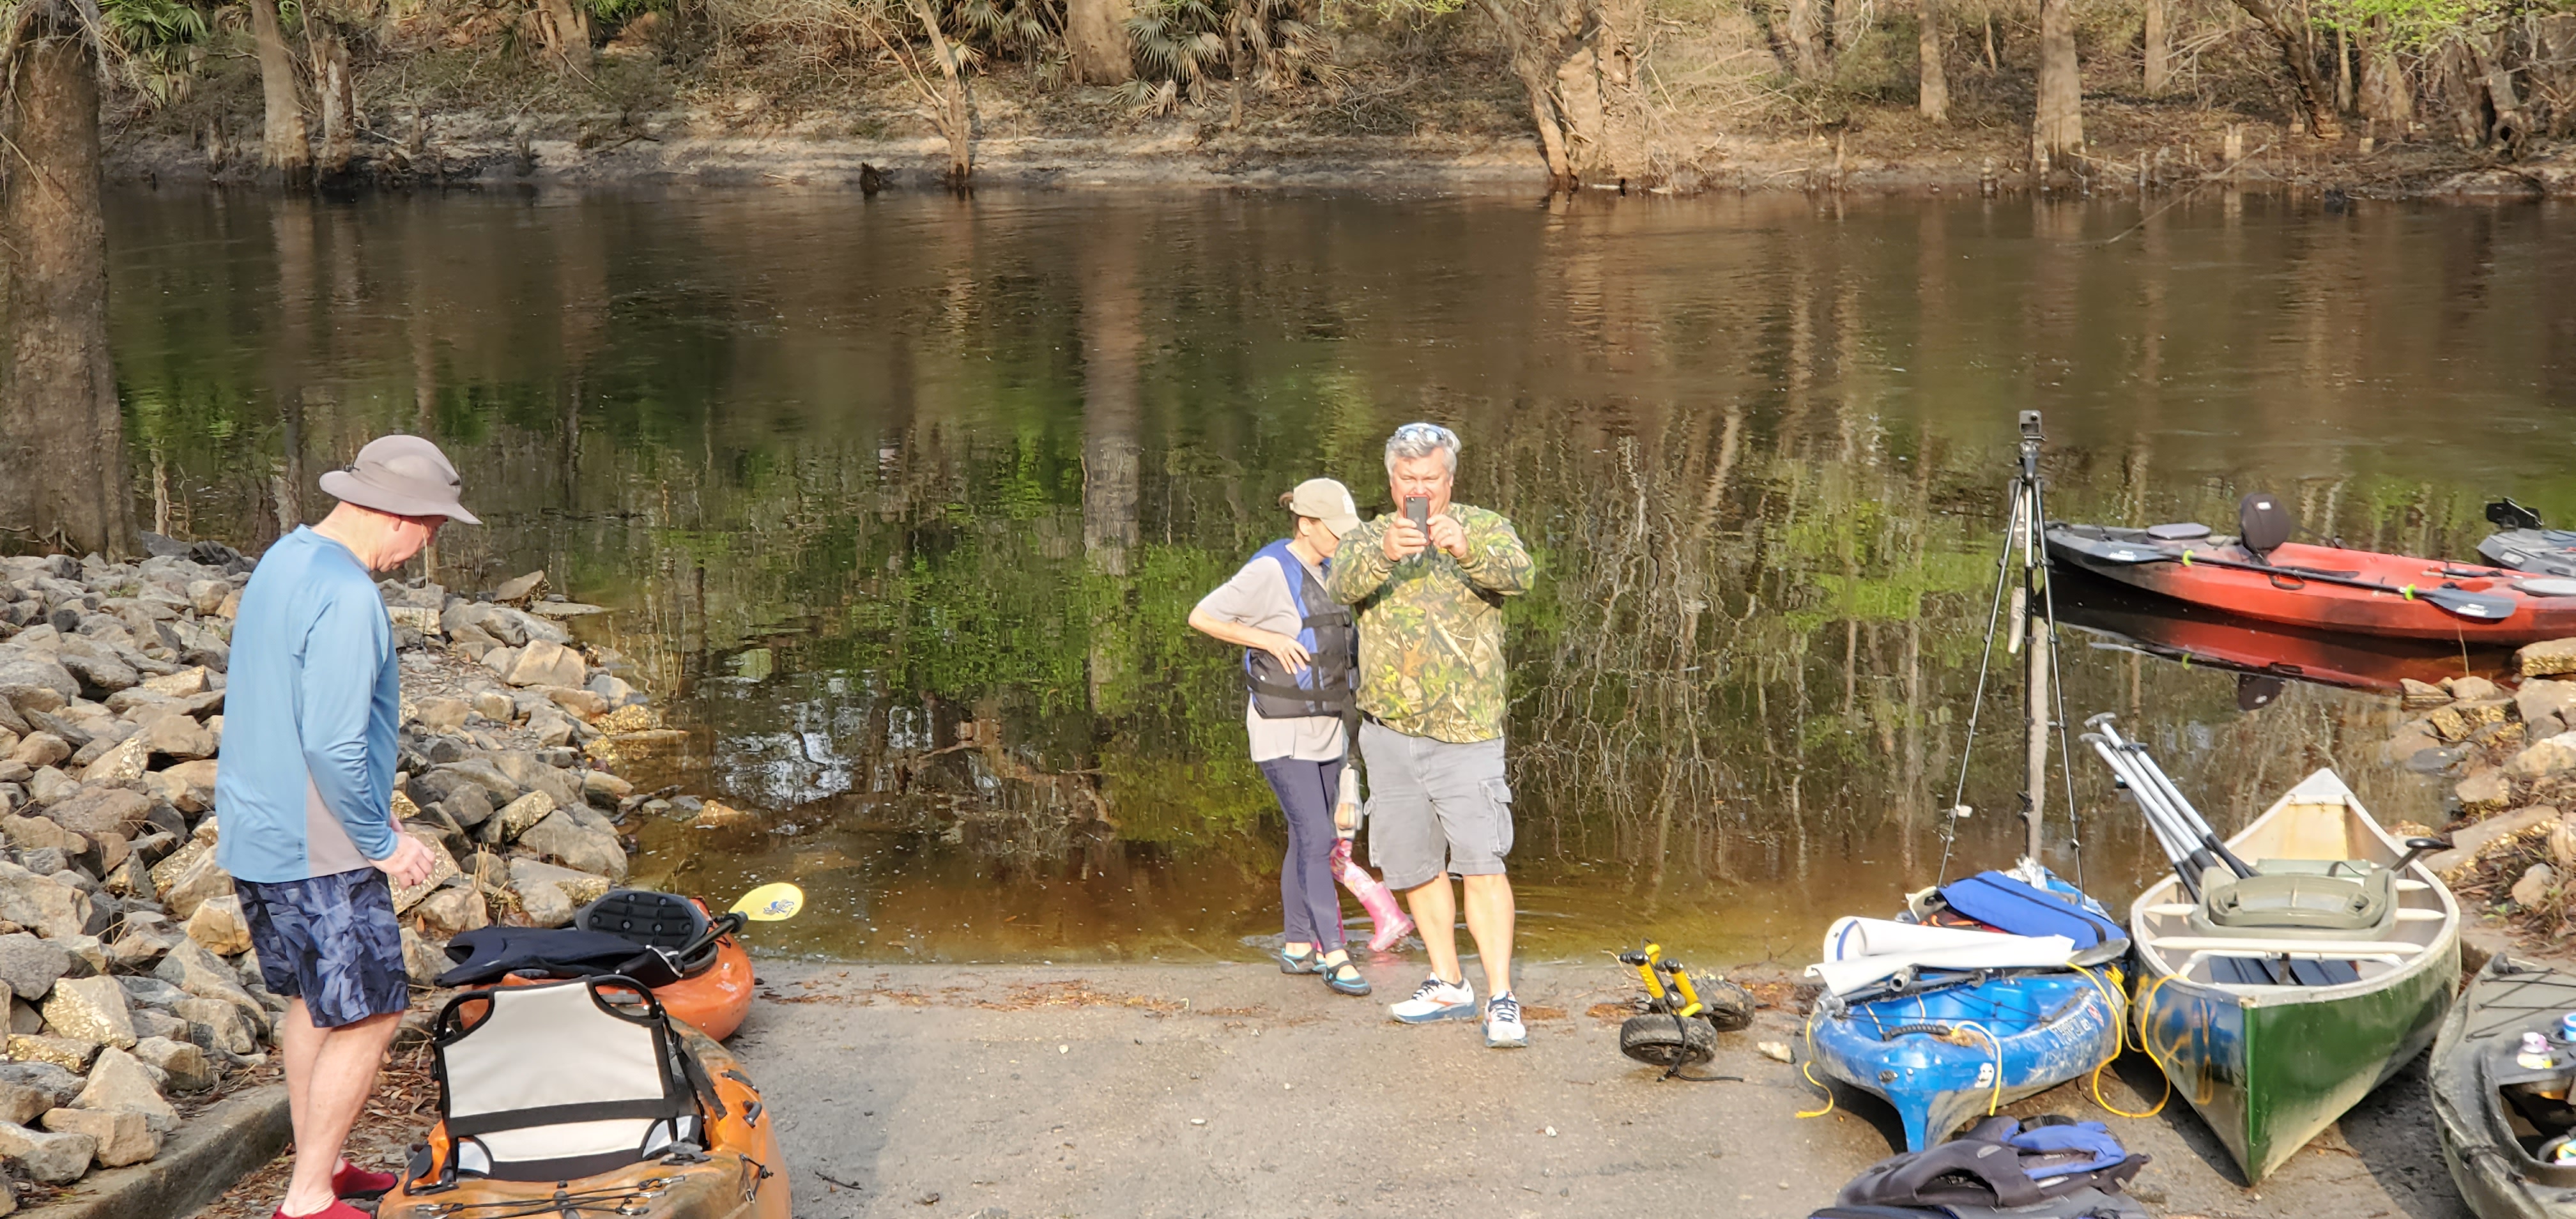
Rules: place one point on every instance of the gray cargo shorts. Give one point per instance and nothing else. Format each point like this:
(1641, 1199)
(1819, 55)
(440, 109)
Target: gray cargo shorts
(1435, 807)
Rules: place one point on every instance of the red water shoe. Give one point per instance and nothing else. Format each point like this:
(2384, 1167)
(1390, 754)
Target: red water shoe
(352, 1181)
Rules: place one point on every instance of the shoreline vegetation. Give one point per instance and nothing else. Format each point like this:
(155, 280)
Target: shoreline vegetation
(2462, 98)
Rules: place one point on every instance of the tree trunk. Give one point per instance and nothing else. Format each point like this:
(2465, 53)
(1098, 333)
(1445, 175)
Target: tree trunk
(1576, 61)
(2387, 95)
(1932, 95)
(2343, 70)
(956, 106)
(62, 440)
(2057, 125)
(1809, 57)
(1095, 35)
(2159, 49)
(286, 148)
(339, 106)
(2314, 98)
(567, 33)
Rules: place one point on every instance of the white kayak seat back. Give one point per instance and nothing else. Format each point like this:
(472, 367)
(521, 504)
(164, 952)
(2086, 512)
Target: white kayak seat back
(557, 1082)
(2178, 531)
(2295, 898)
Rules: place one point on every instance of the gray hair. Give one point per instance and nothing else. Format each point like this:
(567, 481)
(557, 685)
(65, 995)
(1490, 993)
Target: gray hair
(1415, 441)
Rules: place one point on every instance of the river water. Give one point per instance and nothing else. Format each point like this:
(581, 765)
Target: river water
(901, 503)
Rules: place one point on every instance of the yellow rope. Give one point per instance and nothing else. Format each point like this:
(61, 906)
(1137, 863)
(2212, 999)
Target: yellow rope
(1998, 1102)
(2146, 1004)
(1808, 1069)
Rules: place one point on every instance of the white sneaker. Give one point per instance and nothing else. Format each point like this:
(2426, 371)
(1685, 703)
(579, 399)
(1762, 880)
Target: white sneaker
(1503, 1027)
(1436, 1000)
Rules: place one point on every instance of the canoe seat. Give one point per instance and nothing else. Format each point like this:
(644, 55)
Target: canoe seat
(2299, 899)
(559, 1080)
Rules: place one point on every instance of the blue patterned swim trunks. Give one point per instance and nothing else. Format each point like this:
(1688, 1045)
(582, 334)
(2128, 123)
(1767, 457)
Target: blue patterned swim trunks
(331, 941)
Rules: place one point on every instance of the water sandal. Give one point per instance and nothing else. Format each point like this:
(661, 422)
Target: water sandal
(1307, 962)
(1345, 979)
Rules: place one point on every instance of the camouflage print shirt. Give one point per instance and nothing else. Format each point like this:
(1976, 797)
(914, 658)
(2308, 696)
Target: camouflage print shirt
(1431, 627)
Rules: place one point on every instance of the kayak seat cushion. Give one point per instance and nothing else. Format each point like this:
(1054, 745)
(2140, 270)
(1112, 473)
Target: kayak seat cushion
(2262, 524)
(2010, 906)
(558, 1081)
(2180, 531)
(2296, 905)
(660, 920)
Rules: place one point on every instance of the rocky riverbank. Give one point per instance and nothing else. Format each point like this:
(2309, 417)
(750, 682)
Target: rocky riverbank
(2510, 755)
(132, 990)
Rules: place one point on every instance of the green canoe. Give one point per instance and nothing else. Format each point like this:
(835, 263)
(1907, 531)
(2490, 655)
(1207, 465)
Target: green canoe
(2269, 1064)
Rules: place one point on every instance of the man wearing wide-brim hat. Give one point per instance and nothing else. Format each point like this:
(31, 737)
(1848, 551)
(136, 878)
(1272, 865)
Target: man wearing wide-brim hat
(304, 796)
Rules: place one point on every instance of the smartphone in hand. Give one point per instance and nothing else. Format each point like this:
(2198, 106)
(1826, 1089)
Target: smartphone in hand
(1418, 510)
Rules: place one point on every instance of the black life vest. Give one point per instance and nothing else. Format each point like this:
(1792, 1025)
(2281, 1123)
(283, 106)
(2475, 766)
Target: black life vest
(1330, 639)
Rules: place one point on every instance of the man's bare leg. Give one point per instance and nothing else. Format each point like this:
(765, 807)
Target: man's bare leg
(1435, 919)
(1491, 920)
(339, 1070)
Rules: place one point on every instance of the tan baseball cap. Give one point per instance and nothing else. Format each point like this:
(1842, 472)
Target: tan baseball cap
(403, 475)
(1327, 501)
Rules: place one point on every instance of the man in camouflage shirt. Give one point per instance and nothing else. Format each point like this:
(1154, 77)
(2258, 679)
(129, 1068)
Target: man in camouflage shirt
(1430, 608)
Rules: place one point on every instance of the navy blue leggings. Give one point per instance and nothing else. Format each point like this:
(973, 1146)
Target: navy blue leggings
(1306, 792)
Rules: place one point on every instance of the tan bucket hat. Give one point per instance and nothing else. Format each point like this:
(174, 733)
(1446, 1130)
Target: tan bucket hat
(1328, 501)
(403, 475)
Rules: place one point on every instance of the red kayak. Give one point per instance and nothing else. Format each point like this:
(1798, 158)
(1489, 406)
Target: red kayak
(2199, 635)
(2326, 588)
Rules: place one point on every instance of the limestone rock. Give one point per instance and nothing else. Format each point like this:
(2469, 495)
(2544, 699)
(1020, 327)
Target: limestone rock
(124, 1136)
(495, 706)
(185, 683)
(182, 1063)
(2542, 759)
(558, 838)
(442, 716)
(41, 833)
(549, 895)
(519, 587)
(120, 1081)
(2484, 792)
(58, 910)
(21, 667)
(176, 786)
(2419, 695)
(581, 703)
(2457, 721)
(500, 786)
(54, 1159)
(217, 923)
(203, 878)
(468, 806)
(22, 1103)
(218, 1025)
(633, 717)
(2546, 659)
(56, 1084)
(2473, 689)
(515, 817)
(2412, 738)
(550, 726)
(98, 810)
(90, 1009)
(178, 737)
(543, 663)
(150, 1023)
(40, 749)
(2534, 887)
(67, 1053)
(30, 966)
(201, 973)
(601, 787)
(141, 941)
(122, 763)
(49, 785)
(421, 959)
(451, 912)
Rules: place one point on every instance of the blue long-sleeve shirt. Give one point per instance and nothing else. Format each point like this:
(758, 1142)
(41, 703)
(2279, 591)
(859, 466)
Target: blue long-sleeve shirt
(304, 786)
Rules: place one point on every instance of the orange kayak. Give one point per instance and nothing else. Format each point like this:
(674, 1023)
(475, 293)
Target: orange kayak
(742, 1175)
(714, 996)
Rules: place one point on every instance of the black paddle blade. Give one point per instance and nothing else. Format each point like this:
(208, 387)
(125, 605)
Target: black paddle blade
(2506, 514)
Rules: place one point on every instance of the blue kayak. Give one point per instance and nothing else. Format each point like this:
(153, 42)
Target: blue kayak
(1947, 1055)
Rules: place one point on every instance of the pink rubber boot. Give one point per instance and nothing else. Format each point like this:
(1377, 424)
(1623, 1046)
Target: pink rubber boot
(1392, 922)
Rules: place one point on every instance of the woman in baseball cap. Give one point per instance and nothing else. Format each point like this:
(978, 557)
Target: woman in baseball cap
(1300, 671)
